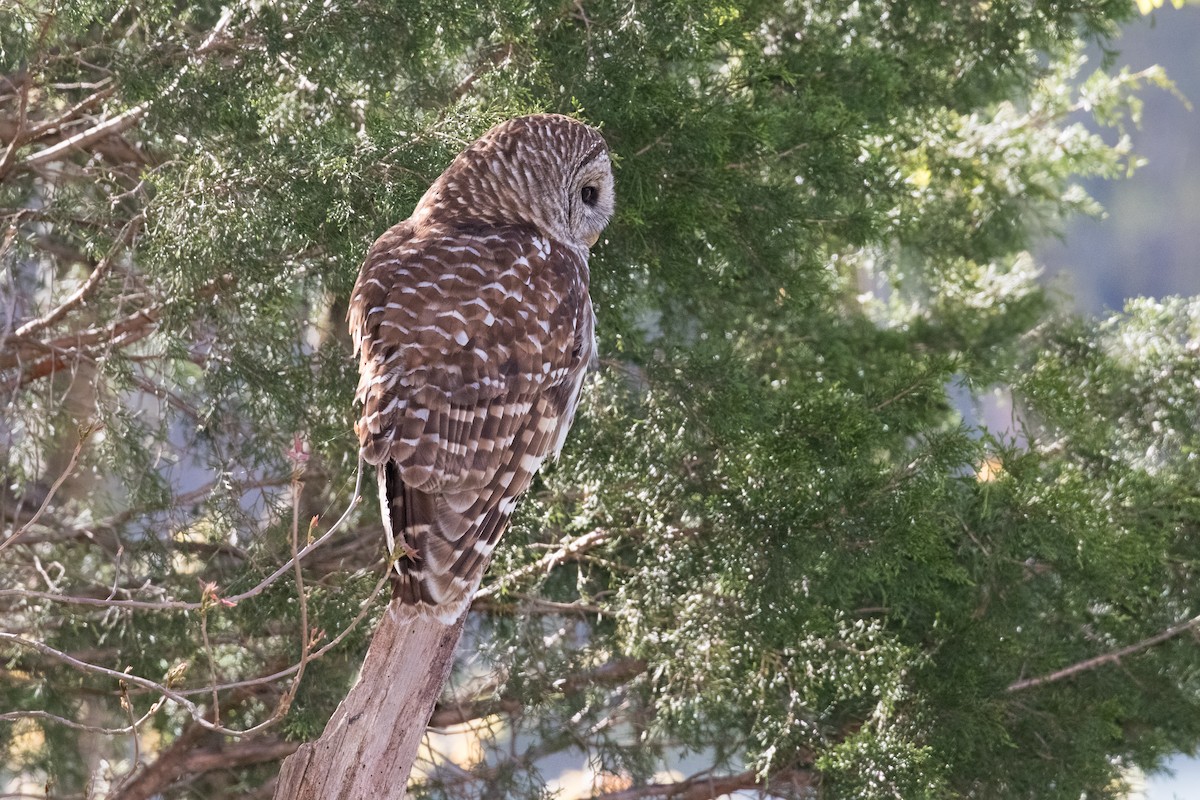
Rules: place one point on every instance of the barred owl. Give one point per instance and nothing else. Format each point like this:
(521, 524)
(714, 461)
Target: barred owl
(474, 331)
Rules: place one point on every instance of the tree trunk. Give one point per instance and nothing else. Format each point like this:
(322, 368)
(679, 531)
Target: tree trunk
(370, 743)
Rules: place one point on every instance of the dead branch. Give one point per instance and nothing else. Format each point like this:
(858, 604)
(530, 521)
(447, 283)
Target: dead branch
(1106, 658)
(365, 609)
(178, 605)
(88, 286)
(568, 549)
(186, 756)
(708, 787)
(380, 724)
(80, 141)
(84, 434)
(163, 691)
(459, 712)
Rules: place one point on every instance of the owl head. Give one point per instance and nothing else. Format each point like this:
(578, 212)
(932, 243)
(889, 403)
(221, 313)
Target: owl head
(545, 170)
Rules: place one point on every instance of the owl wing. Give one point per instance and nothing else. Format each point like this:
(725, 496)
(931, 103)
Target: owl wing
(473, 347)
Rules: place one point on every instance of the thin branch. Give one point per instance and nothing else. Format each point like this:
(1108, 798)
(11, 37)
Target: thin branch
(153, 774)
(570, 549)
(7, 160)
(212, 663)
(1107, 658)
(157, 688)
(530, 604)
(306, 641)
(84, 434)
(127, 702)
(164, 691)
(707, 787)
(13, 716)
(609, 674)
(86, 667)
(179, 605)
(364, 609)
(110, 127)
(88, 286)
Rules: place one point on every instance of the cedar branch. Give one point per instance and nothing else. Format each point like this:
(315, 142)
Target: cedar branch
(88, 286)
(611, 673)
(708, 787)
(1106, 658)
(570, 549)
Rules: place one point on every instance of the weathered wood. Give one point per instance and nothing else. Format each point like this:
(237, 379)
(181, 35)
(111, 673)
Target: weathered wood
(368, 748)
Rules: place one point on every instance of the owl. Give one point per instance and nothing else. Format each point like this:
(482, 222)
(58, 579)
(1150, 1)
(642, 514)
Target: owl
(474, 331)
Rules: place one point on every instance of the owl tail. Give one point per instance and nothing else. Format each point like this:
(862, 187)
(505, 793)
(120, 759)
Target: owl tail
(439, 554)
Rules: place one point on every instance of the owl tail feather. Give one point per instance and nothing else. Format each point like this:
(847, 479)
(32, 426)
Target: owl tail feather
(424, 575)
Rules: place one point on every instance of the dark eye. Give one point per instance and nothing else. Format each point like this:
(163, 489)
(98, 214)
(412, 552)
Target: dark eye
(589, 195)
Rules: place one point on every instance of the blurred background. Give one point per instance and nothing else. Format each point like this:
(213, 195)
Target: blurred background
(1148, 244)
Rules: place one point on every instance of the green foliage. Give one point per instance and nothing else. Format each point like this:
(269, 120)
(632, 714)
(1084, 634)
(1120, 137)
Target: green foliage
(801, 559)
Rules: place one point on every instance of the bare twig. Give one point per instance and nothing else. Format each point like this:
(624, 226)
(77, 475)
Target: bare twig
(13, 716)
(209, 597)
(110, 127)
(570, 549)
(364, 609)
(179, 605)
(7, 160)
(612, 673)
(127, 702)
(530, 604)
(305, 638)
(1106, 658)
(84, 434)
(212, 664)
(707, 787)
(193, 710)
(88, 286)
(95, 669)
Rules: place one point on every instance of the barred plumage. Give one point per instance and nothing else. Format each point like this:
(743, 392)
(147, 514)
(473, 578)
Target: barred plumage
(475, 329)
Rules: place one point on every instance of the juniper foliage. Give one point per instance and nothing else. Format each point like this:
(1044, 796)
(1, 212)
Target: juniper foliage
(798, 557)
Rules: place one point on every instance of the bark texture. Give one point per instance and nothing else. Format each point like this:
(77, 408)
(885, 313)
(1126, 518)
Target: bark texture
(368, 748)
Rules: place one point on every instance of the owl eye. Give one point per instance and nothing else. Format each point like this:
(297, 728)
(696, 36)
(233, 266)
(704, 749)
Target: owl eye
(589, 195)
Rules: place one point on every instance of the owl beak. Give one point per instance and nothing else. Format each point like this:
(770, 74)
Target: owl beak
(591, 240)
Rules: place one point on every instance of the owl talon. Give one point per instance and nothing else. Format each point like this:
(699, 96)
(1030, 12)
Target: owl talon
(408, 552)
